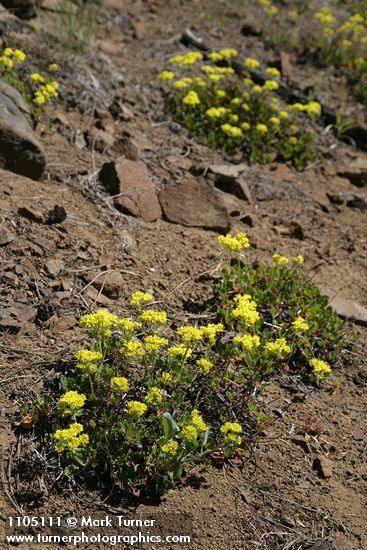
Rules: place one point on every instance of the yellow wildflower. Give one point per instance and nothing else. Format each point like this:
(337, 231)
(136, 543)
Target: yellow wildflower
(36, 77)
(166, 377)
(228, 52)
(8, 63)
(70, 402)
(233, 131)
(182, 83)
(119, 384)
(235, 244)
(232, 427)
(19, 56)
(190, 334)
(136, 408)
(247, 341)
(283, 114)
(154, 317)
(127, 325)
(245, 126)
(299, 259)
(179, 351)
(252, 63)
(261, 128)
(154, 342)
(279, 347)
(140, 297)
(216, 112)
(170, 448)
(257, 89)
(189, 433)
(205, 365)
(70, 438)
(211, 331)
(293, 140)
(274, 120)
(246, 309)
(321, 370)
(220, 93)
(133, 348)
(99, 320)
(154, 395)
(270, 85)
(313, 108)
(166, 75)
(197, 421)
(53, 67)
(272, 71)
(280, 260)
(272, 10)
(191, 98)
(299, 324)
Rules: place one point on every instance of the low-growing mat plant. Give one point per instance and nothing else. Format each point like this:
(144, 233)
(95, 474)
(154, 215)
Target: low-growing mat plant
(146, 400)
(236, 115)
(331, 36)
(37, 89)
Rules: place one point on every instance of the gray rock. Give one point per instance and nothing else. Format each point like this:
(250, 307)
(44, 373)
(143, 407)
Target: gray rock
(348, 198)
(194, 203)
(20, 151)
(356, 171)
(347, 308)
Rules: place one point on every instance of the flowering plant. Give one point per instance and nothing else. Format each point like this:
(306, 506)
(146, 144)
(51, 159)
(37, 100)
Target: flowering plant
(235, 114)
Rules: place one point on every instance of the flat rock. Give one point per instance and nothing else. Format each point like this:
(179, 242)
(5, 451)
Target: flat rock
(356, 171)
(110, 283)
(347, 308)
(227, 172)
(13, 318)
(323, 466)
(5, 236)
(130, 180)
(194, 203)
(20, 151)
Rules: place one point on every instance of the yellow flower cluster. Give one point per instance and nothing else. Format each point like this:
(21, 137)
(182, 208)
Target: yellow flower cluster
(246, 309)
(154, 317)
(154, 342)
(166, 75)
(17, 55)
(298, 260)
(189, 433)
(325, 16)
(170, 448)
(119, 384)
(216, 112)
(279, 347)
(184, 82)
(136, 408)
(133, 349)
(235, 244)
(188, 59)
(86, 360)
(261, 128)
(232, 131)
(154, 395)
(166, 377)
(71, 402)
(312, 108)
(127, 325)
(280, 260)
(272, 71)
(321, 370)
(179, 351)
(70, 438)
(191, 98)
(190, 334)
(138, 298)
(99, 321)
(252, 63)
(247, 342)
(211, 331)
(197, 421)
(299, 325)
(46, 93)
(231, 430)
(53, 67)
(205, 365)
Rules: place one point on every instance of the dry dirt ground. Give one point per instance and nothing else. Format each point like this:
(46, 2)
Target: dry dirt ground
(277, 500)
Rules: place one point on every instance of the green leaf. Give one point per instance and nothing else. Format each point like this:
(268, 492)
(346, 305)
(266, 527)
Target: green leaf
(169, 425)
